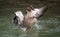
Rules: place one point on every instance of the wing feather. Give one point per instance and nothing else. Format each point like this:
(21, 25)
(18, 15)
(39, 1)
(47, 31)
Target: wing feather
(39, 12)
(20, 17)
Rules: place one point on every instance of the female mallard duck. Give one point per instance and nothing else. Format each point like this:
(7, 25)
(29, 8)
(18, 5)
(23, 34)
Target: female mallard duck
(30, 17)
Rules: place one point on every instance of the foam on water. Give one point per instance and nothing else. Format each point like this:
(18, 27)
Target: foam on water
(23, 29)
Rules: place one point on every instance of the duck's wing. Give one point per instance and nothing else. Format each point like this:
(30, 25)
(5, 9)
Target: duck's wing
(19, 17)
(40, 12)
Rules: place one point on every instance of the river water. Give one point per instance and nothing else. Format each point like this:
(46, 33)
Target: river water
(49, 23)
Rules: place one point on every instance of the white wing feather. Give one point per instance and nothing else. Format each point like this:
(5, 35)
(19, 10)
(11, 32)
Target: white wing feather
(38, 12)
(20, 15)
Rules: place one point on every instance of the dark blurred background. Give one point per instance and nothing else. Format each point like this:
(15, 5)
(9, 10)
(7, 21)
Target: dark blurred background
(49, 23)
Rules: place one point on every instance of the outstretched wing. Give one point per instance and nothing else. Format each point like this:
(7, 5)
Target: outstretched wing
(19, 14)
(39, 12)
(18, 17)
